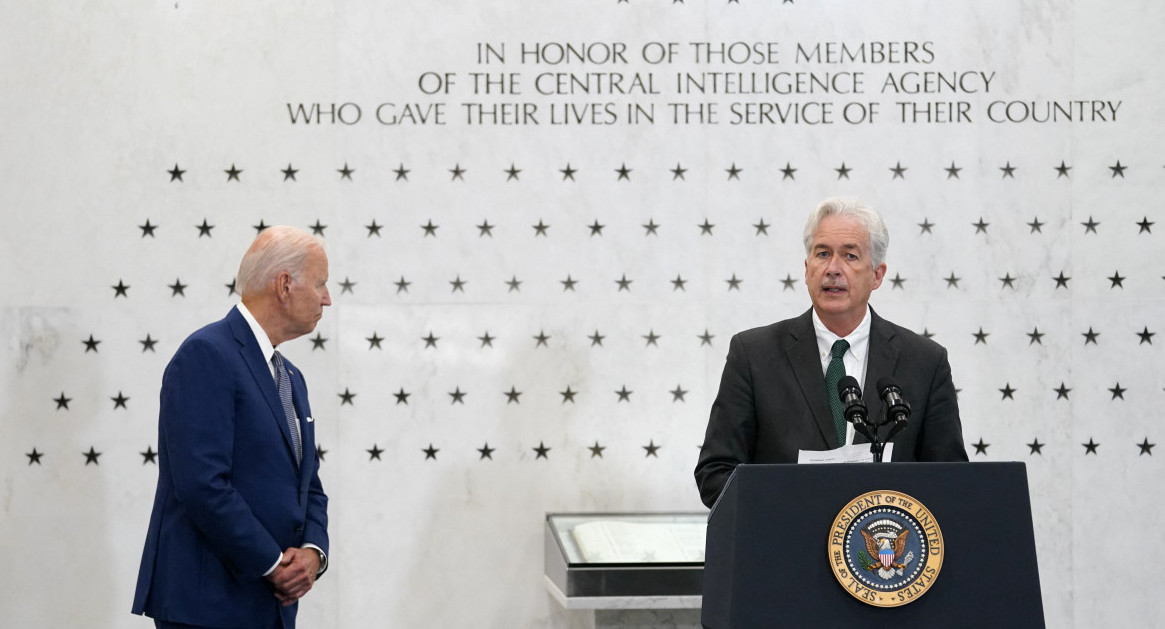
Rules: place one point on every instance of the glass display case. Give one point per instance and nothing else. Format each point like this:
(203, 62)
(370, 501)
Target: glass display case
(625, 554)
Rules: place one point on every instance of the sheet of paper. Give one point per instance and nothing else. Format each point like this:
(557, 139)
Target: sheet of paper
(853, 453)
(607, 541)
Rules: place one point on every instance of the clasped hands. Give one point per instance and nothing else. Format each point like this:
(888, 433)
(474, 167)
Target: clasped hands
(295, 574)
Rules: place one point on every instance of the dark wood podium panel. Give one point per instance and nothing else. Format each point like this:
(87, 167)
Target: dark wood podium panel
(767, 559)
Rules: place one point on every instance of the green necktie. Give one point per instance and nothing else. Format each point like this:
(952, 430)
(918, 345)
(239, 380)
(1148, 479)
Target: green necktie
(833, 375)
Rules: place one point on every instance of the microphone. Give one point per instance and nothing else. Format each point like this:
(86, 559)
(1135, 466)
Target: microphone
(854, 409)
(897, 408)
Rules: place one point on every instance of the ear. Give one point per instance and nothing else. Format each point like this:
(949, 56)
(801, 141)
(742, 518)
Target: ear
(879, 273)
(283, 286)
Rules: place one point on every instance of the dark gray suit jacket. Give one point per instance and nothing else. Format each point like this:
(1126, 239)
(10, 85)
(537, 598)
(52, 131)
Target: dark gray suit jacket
(772, 400)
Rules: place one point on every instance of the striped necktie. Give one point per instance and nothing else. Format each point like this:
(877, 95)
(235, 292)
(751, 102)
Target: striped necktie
(283, 385)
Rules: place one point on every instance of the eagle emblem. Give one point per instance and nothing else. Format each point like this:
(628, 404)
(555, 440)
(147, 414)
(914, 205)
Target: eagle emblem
(886, 541)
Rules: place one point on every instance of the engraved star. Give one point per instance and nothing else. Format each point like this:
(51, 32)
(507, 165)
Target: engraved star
(119, 401)
(1008, 392)
(401, 172)
(1145, 446)
(897, 281)
(568, 172)
(320, 452)
(147, 229)
(402, 285)
(1062, 392)
(34, 456)
(843, 172)
(260, 227)
(430, 340)
(346, 285)
(1035, 335)
(91, 456)
(176, 173)
(1036, 447)
(458, 284)
(177, 288)
(149, 456)
(1117, 280)
(678, 283)
(952, 281)
(1145, 224)
(596, 450)
(677, 394)
(734, 172)
(540, 451)
(346, 397)
(981, 336)
(457, 396)
(148, 344)
(1036, 225)
(345, 172)
(981, 447)
(289, 173)
(1062, 170)
(596, 339)
(953, 171)
(512, 172)
(733, 283)
(596, 228)
(705, 338)
(762, 227)
(373, 229)
(374, 340)
(540, 228)
(1061, 280)
(568, 283)
(486, 339)
(485, 229)
(1008, 281)
(980, 227)
(486, 452)
(62, 401)
(651, 227)
(514, 284)
(1090, 336)
(624, 394)
(233, 173)
(651, 449)
(899, 171)
(1008, 170)
(402, 397)
(1117, 391)
(927, 333)
(789, 282)
(318, 228)
(374, 452)
(458, 172)
(568, 395)
(540, 339)
(678, 172)
(120, 290)
(1090, 226)
(430, 229)
(925, 226)
(787, 172)
(512, 396)
(624, 172)
(651, 338)
(624, 283)
(430, 452)
(1146, 336)
(1118, 170)
(91, 344)
(204, 229)
(706, 228)
(1090, 447)
(317, 342)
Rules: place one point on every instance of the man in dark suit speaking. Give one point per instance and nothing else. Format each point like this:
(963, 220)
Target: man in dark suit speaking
(773, 400)
(239, 528)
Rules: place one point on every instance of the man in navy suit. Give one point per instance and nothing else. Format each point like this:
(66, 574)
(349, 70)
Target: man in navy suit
(773, 400)
(239, 528)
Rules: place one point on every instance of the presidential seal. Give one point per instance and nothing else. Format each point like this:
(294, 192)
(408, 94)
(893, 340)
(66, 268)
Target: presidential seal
(885, 548)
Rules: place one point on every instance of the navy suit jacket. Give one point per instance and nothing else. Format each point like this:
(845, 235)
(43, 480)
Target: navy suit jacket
(230, 496)
(772, 400)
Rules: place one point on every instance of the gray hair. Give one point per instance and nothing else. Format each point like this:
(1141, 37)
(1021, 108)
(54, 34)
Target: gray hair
(855, 209)
(276, 249)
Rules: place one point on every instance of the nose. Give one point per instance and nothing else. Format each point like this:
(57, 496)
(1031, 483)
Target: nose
(327, 298)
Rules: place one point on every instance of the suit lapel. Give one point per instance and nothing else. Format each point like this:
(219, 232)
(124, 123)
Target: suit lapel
(261, 372)
(801, 348)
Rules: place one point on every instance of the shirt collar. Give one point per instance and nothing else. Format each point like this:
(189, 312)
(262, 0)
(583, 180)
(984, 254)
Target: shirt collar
(859, 339)
(261, 338)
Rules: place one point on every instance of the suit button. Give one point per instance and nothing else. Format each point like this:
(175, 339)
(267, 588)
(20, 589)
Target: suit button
(299, 529)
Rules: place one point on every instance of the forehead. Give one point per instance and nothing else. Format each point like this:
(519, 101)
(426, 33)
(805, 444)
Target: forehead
(841, 231)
